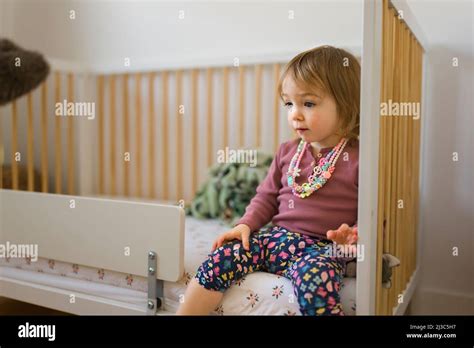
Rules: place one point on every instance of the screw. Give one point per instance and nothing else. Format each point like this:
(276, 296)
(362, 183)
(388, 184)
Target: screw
(151, 305)
(151, 270)
(151, 255)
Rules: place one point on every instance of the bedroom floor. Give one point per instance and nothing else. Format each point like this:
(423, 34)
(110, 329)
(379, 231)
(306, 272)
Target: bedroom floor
(12, 307)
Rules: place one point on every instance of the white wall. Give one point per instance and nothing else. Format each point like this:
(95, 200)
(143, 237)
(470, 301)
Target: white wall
(447, 282)
(151, 33)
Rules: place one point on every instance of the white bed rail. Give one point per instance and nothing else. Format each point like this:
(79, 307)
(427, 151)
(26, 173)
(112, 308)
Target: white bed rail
(110, 234)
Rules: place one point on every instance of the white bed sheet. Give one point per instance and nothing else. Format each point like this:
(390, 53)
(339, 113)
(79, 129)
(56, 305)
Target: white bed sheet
(257, 293)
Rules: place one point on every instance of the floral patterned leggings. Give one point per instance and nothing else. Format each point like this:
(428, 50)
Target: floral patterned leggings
(316, 276)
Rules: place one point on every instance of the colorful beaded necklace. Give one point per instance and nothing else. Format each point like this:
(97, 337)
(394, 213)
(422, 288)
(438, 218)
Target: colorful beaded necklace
(320, 174)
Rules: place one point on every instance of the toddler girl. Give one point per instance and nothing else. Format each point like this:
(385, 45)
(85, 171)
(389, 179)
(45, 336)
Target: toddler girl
(309, 194)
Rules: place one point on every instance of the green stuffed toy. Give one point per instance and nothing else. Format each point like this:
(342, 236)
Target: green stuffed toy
(229, 190)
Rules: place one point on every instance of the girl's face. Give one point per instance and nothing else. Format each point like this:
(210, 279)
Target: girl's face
(312, 115)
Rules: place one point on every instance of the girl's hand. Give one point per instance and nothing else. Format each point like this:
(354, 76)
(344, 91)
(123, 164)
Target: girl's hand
(344, 235)
(240, 232)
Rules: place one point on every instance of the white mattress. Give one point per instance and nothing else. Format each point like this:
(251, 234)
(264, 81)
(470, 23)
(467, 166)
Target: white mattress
(257, 293)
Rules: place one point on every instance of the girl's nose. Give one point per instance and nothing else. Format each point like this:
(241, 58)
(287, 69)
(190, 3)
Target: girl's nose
(296, 115)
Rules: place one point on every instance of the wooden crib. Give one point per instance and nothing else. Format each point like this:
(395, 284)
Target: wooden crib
(155, 132)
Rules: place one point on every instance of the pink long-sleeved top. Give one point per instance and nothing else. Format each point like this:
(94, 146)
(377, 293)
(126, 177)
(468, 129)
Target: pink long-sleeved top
(325, 209)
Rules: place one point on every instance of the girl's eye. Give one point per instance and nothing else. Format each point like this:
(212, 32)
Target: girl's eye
(307, 104)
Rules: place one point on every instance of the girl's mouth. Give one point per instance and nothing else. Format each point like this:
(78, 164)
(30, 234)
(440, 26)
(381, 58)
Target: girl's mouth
(301, 130)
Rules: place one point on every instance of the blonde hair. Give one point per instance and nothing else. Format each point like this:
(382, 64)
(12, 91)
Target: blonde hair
(333, 71)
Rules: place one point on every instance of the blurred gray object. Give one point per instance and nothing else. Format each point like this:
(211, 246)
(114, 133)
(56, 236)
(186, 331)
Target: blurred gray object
(21, 71)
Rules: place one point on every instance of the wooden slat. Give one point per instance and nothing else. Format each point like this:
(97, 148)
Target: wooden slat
(57, 135)
(403, 178)
(408, 175)
(70, 139)
(112, 137)
(30, 153)
(408, 158)
(276, 107)
(225, 107)
(394, 144)
(399, 171)
(258, 105)
(194, 118)
(164, 134)
(413, 183)
(126, 137)
(418, 56)
(415, 160)
(409, 171)
(138, 136)
(14, 143)
(417, 128)
(419, 77)
(409, 189)
(241, 105)
(179, 136)
(44, 137)
(416, 131)
(209, 74)
(100, 135)
(151, 135)
(399, 174)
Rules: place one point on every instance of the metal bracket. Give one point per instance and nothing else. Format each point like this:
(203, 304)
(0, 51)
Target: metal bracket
(155, 286)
